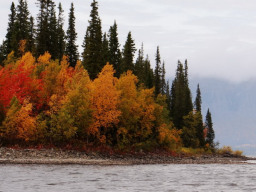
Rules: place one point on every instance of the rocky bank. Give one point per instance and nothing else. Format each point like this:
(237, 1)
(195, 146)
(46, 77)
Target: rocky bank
(59, 156)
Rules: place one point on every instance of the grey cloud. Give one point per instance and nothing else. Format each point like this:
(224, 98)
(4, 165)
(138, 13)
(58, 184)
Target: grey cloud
(215, 35)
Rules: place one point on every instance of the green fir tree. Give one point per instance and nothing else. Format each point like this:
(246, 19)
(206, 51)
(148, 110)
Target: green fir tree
(158, 73)
(198, 100)
(31, 36)
(53, 33)
(43, 31)
(149, 74)
(181, 102)
(2, 53)
(192, 131)
(60, 33)
(128, 54)
(210, 131)
(163, 82)
(114, 50)
(92, 54)
(22, 24)
(139, 68)
(105, 49)
(71, 48)
(10, 44)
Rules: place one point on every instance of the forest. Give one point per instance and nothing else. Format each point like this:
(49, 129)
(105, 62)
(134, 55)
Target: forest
(50, 94)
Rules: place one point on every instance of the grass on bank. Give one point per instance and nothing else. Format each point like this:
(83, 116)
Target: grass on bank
(227, 150)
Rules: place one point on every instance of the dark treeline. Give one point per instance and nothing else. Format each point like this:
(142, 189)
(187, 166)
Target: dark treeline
(47, 35)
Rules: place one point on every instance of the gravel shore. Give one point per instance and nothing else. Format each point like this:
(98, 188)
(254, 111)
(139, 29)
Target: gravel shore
(58, 156)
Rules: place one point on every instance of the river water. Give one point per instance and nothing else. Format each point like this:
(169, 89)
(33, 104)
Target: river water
(157, 178)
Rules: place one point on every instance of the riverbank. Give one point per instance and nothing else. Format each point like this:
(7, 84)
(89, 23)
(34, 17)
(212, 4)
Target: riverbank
(59, 156)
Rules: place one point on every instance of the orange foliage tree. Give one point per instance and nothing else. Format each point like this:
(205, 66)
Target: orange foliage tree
(105, 99)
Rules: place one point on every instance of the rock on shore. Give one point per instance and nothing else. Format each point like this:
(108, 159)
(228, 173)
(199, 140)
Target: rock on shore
(59, 156)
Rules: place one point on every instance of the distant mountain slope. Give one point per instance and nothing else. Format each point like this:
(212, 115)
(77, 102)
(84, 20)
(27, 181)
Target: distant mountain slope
(233, 108)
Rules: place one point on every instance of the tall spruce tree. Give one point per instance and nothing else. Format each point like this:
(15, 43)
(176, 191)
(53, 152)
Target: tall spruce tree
(168, 96)
(210, 131)
(114, 50)
(200, 129)
(60, 33)
(31, 36)
(43, 33)
(198, 100)
(53, 33)
(22, 23)
(143, 70)
(192, 132)
(71, 48)
(10, 44)
(188, 98)
(158, 73)
(105, 49)
(181, 102)
(92, 54)
(149, 73)
(163, 82)
(128, 54)
(139, 68)
(2, 53)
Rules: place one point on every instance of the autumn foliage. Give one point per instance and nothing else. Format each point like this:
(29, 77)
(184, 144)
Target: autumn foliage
(46, 101)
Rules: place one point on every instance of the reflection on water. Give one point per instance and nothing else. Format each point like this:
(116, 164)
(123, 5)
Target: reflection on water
(42, 178)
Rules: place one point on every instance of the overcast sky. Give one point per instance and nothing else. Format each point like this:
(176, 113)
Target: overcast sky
(218, 37)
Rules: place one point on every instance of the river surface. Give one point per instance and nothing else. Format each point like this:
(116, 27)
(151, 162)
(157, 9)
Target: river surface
(157, 178)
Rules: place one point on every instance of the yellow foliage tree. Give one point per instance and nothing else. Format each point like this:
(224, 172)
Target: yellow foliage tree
(78, 101)
(19, 124)
(44, 59)
(137, 106)
(27, 60)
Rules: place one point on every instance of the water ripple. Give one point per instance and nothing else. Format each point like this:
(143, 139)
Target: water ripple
(169, 178)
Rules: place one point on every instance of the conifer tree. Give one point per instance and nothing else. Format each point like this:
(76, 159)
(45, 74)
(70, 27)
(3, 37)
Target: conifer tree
(43, 36)
(2, 53)
(53, 35)
(31, 36)
(114, 50)
(158, 72)
(71, 48)
(149, 73)
(187, 98)
(10, 43)
(139, 68)
(168, 96)
(105, 49)
(210, 132)
(22, 22)
(128, 54)
(181, 103)
(143, 70)
(92, 54)
(200, 129)
(163, 83)
(60, 33)
(198, 100)
(192, 132)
